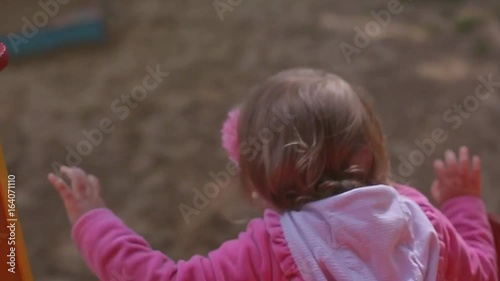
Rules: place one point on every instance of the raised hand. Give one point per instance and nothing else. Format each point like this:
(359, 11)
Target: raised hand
(83, 195)
(456, 177)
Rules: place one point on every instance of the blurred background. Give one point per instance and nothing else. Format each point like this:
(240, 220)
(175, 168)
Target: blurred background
(76, 63)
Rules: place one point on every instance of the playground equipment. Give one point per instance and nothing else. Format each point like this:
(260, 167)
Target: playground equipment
(84, 22)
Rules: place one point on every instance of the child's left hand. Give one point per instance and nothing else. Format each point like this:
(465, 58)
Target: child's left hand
(456, 176)
(83, 195)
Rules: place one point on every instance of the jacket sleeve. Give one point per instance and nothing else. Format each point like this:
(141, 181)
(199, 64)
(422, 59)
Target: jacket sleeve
(116, 253)
(469, 238)
(467, 247)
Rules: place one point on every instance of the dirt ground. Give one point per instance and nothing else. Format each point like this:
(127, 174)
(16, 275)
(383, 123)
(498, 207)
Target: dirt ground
(424, 61)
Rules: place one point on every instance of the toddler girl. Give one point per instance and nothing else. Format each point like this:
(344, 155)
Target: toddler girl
(309, 146)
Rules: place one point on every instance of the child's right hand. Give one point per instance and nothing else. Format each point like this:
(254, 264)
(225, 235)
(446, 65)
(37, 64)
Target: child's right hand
(456, 177)
(82, 196)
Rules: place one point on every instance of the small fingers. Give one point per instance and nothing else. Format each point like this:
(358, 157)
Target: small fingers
(451, 162)
(63, 189)
(439, 170)
(464, 163)
(96, 186)
(78, 179)
(476, 171)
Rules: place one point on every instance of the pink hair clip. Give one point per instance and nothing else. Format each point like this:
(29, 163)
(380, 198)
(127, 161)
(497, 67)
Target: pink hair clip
(230, 135)
(4, 56)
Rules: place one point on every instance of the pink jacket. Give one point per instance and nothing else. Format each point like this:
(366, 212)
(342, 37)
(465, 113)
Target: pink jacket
(465, 247)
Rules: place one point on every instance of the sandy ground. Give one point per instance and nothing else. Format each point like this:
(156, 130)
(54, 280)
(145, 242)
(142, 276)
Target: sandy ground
(427, 59)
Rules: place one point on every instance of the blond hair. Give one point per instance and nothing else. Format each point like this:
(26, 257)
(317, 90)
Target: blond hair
(316, 127)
